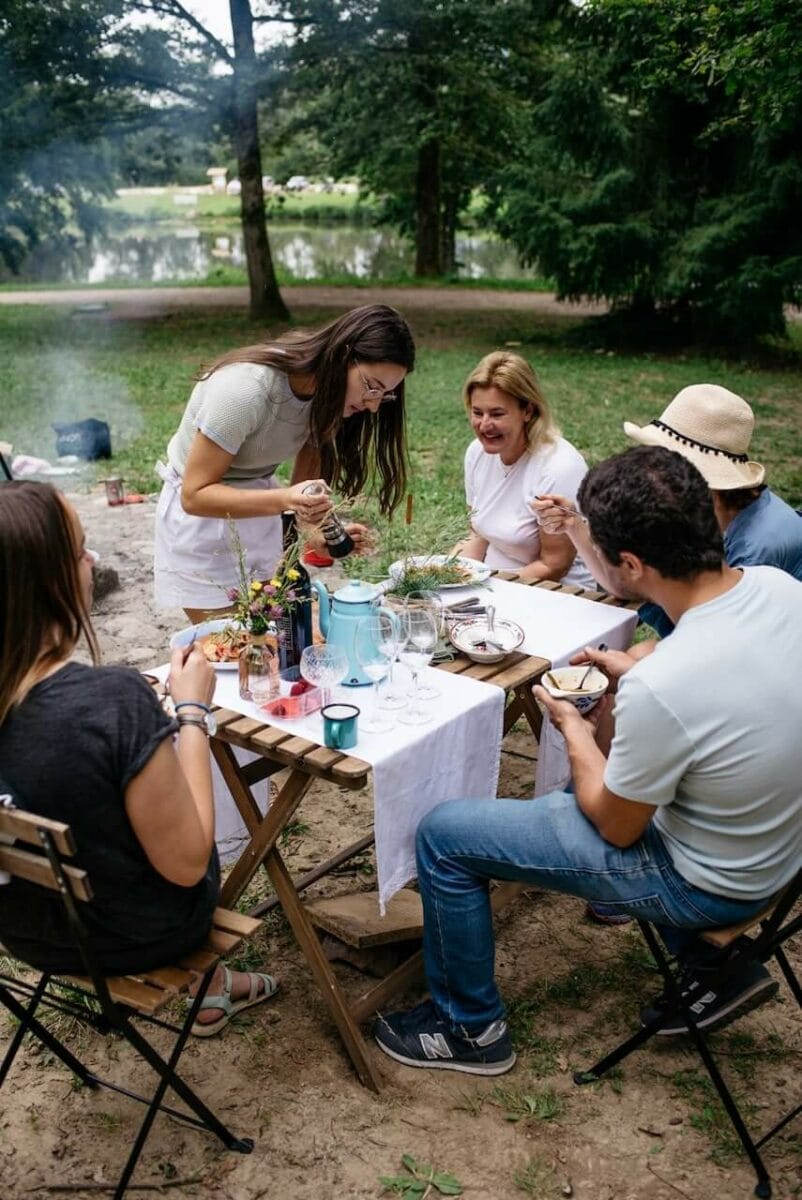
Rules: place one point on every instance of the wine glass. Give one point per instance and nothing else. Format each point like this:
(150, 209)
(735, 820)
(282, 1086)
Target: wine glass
(420, 634)
(376, 665)
(388, 638)
(324, 666)
(432, 603)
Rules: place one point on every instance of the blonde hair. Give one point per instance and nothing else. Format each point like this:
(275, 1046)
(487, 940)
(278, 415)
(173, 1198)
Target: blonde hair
(512, 374)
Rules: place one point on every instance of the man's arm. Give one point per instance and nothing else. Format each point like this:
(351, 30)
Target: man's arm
(619, 821)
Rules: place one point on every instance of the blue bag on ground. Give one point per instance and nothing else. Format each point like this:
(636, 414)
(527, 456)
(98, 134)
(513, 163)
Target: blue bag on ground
(88, 439)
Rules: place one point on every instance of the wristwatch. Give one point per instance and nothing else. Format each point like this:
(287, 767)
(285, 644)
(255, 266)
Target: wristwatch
(204, 721)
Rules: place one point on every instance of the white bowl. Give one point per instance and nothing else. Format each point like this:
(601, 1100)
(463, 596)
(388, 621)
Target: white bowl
(567, 679)
(467, 636)
(195, 632)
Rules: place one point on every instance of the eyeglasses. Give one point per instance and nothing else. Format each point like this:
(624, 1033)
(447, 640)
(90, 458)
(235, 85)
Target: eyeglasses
(374, 393)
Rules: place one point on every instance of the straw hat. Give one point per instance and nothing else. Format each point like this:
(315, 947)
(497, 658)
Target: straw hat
(711, 427)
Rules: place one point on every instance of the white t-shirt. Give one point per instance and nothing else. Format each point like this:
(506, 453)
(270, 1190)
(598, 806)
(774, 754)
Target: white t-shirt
(498, 498)
(251, 412)
(709, 729)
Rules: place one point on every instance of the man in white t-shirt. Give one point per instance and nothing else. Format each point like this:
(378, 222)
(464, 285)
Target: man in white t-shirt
(687, 799)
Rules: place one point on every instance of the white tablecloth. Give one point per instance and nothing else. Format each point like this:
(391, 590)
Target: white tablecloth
(555, 626)
(415, 767)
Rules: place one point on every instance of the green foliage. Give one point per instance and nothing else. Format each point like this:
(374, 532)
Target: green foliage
(537, 1179)
(654, 177)
(418, 1179)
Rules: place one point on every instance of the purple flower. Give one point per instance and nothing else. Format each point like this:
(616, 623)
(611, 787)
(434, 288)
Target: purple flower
(232, 594)
(290, 596)
(276, 612)
(255, 609)
(269, 589)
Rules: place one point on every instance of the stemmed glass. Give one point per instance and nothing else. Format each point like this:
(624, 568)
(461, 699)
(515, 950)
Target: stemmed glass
(324, 667)
(388, 638)
(376, 664)
(432, 603)
(420, 633)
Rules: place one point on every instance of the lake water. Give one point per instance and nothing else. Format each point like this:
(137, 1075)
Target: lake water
(158, 254)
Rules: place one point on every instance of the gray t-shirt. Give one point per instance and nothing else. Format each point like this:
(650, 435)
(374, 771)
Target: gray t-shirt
(709, 729)
(249, 411)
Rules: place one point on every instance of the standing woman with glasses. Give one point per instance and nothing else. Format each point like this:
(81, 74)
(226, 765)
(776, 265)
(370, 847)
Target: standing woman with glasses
(333, 401)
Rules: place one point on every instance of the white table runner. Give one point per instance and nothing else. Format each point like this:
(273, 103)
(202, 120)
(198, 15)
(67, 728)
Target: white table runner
(415, 767)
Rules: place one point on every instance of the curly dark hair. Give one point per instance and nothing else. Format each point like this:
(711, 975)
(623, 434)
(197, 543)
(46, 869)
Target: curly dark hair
(655, 504)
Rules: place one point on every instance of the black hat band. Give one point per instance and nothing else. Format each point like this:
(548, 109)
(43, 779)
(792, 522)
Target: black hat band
(689, 441)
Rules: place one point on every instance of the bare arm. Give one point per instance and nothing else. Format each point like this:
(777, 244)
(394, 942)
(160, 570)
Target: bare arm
(204, 495)
(554, 520)
(170, 803)
(307, 464)
(557, 552)
(472, 547)
(618, 820)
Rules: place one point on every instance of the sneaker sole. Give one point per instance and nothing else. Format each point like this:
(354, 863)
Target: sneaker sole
(444, 1064)
(739, 1006)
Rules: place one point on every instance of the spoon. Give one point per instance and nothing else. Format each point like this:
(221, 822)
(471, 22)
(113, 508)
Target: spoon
(572, 512)
(490, 617)
(579, 687)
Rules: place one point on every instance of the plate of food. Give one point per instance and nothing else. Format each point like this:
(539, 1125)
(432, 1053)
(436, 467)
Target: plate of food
(221, 641)
(431, 572)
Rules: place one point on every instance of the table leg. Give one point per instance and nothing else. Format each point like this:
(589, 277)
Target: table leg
(265, 835)
(236, 783)
(322, 971)
(318, 872)
(524, 704)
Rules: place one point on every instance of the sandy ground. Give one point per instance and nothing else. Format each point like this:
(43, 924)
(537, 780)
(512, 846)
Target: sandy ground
(279, 1073)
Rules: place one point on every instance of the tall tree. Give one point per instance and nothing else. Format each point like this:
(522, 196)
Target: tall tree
(662, 168)
(420, 99)
(228, 85)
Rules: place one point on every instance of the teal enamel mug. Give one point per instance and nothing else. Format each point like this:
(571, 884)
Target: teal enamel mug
(339, 726)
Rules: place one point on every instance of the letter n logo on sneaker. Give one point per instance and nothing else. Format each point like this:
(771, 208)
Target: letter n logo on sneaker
(434, 1045)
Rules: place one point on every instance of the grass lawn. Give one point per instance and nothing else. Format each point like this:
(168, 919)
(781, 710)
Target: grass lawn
(137, 375)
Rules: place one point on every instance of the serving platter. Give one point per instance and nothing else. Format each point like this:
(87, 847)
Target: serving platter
(475, 571)
(196, 633)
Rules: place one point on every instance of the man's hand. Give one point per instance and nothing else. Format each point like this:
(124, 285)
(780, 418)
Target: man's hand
(567, 718)
(614, 663)
(556, 514)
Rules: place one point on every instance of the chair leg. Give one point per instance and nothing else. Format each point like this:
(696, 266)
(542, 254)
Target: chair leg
(28, 1023)
(169, 1078)
(790, 977)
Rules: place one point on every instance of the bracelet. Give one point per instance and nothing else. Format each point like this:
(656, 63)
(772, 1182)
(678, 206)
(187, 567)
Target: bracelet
(192, 704)
(199, 721)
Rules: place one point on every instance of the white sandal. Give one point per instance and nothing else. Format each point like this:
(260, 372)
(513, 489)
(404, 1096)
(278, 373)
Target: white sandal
(223, 1000)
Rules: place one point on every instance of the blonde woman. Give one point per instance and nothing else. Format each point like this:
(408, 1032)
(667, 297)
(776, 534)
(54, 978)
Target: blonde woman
(518, 453)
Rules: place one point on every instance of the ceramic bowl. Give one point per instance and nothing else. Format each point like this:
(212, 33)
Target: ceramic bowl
(197, 632)
(468, 636)
(567, 679)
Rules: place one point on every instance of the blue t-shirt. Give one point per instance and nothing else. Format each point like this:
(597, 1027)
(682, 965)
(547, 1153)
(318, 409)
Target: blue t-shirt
(768, 533)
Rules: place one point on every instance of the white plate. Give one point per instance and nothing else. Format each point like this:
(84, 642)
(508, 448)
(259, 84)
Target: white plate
(479, 572)
(193, 632)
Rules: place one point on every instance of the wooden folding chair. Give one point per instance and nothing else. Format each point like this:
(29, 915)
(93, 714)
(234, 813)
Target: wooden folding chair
(113, 1001)
(777, 924)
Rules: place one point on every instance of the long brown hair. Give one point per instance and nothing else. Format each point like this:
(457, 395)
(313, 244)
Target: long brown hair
(42, 609)
(349, 450)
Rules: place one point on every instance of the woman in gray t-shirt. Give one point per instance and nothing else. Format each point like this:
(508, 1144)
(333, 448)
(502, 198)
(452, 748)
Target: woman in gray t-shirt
(333, 401)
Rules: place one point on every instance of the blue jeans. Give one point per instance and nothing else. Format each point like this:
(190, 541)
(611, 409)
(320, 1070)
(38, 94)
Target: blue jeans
(463, 844)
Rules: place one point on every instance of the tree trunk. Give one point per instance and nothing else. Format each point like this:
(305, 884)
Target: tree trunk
(427, 211)
(266, 298)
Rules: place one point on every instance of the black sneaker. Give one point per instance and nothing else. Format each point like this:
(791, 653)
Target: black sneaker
(418, 1038)
(712, 1007)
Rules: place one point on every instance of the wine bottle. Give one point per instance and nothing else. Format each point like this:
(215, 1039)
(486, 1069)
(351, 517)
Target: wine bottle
(295, 627)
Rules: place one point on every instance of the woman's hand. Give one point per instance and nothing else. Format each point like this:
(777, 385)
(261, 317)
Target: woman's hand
(556, 514)
(361, 536)
(191, 676)
(310, 509)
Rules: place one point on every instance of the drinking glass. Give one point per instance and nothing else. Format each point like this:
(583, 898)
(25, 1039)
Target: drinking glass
(432, 603)
(376, 665)
(324, 666)
(389, 639)
(420, 639)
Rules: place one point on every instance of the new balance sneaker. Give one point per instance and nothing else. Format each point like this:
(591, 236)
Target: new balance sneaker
(418, 1038)
(713, 1008)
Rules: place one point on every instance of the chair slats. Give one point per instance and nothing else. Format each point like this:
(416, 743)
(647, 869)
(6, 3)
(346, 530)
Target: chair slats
(235, 922)
(36, 869)
(25, 826)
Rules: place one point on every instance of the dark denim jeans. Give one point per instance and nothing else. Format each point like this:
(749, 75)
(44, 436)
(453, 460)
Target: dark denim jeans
(463, 844)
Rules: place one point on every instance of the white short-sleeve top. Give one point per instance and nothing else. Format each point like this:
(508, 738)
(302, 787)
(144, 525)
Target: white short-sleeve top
(248, 410)
(498, 497)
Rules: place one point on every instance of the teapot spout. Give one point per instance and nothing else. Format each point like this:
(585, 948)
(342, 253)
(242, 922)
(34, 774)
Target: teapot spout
(324, 606)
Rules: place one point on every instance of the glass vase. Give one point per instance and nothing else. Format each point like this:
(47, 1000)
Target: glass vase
(259, 668)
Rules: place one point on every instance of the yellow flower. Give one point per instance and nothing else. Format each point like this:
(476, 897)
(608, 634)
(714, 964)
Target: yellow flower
(256, 586)
(275, 583)
(293, 575)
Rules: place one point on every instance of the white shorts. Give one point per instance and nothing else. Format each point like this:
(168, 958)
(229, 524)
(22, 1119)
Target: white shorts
(194, 563)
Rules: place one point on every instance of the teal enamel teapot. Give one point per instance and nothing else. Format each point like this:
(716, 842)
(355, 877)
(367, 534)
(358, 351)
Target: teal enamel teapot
(340, 617)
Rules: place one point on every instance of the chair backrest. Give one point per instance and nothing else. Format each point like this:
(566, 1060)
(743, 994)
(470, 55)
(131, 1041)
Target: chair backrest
(16, 825)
